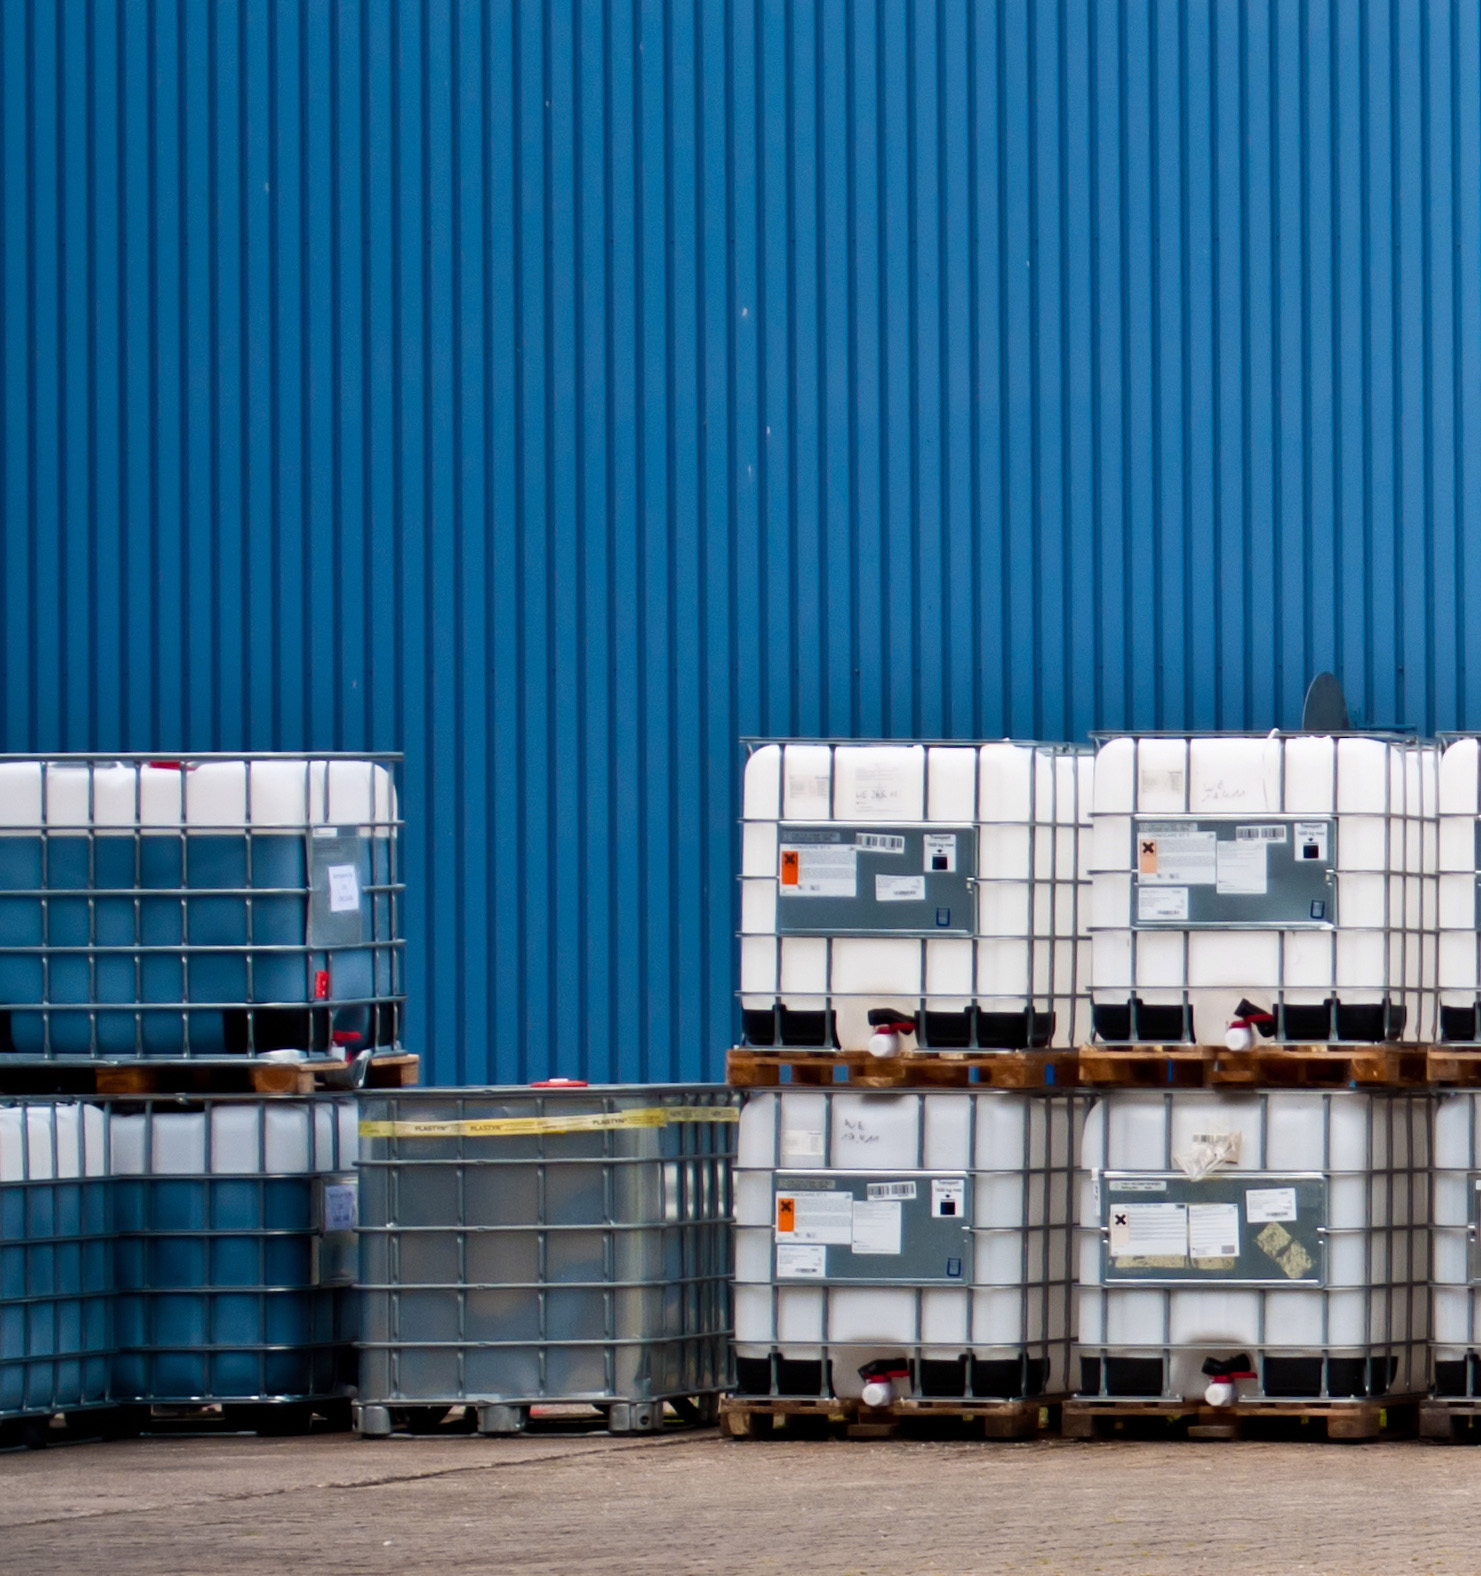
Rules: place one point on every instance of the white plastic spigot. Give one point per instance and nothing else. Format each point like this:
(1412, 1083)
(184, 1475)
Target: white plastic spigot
(1220, 1392)
(884, 1043)
(1240, 1037)
(878, 1392)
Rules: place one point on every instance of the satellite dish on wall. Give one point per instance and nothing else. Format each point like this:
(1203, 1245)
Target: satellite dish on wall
(1325, 710)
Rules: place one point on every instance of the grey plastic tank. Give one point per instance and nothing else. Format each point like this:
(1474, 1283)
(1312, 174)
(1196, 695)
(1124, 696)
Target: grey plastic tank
(529, 1246)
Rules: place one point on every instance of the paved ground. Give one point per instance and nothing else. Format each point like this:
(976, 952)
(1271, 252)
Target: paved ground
(690, 1502)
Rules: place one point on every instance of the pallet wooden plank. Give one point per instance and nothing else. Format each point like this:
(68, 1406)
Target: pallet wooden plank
(197, 1076)
(751, 1068)
(1358, 1419)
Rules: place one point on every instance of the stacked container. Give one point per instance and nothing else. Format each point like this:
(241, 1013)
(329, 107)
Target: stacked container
(203, 907)
(939, 887)
(1455, 1372)
(1287, 1228)
(521, 1247)
(235, 1255)
(1280, 886)
(1459, 798)
(55, 1262)
(924, 1235)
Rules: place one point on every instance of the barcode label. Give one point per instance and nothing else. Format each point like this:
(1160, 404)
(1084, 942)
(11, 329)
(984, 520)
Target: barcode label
(877, 1190)
(880, 842)
(1260, 834)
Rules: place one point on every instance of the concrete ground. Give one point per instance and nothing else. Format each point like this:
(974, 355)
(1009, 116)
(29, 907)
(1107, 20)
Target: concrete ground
(692, 1502)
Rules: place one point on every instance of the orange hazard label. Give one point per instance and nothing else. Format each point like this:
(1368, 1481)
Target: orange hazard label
(789, 867)
(1146, 854)
(786, 1214)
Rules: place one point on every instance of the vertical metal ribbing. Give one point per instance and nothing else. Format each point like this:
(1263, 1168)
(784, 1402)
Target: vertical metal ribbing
(137, 904)
(382, 1110)
(1262, 1297)
(972, 1098)
(1336, 891)
(461, 1223)
(1167, 1295)
(90, 842)
(186, 1016)
(1327, 1238)
(1025, 1229)
(1190, 1025)
(1281, 936)
(264, 1290)
(775, 1288)
(920, 1161)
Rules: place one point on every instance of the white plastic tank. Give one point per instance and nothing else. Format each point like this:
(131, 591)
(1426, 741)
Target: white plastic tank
(1278, 887)
(1287, 1226)
(942, 885)
(929, 1228)
(1460, 935)
(1456, 1246)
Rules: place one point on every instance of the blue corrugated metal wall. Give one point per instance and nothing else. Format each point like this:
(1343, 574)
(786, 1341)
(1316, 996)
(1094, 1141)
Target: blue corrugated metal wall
(558, 391)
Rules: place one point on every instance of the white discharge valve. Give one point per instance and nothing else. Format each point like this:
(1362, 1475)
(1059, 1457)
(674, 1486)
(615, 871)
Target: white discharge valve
(888, 1028)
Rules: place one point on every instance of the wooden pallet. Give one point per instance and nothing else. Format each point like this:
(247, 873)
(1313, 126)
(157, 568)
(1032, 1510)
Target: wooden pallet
(1100, 1418)
(746, 1068)
(1265, 1067)
(1450, 1420)
(199, 1076)
(761, 1417)
(1455, 1067)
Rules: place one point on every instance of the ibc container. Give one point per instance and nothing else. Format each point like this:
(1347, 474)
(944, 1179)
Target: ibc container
(55, 1259)
(1287, 1227)
(1279, 886)
(525, 1246)
(235, 1254)
(198, 907)
(1455, 1348)
(930, 1232)
(1459, 798)
(944, 885)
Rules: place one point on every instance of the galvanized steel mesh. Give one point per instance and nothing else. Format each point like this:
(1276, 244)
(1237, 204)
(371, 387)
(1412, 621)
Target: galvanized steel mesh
(524, 1245)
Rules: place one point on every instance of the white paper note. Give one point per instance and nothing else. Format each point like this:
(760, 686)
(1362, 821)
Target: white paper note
(1270, 1203)
(1241, 868)
(877, 1227)
(1213, 1231)
(800, 1261)
(1161, 902)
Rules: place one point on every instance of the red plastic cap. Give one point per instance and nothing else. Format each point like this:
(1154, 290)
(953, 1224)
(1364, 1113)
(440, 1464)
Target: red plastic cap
(559, 1083)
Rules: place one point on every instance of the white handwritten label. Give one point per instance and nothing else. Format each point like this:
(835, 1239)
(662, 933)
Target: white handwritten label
(344, 889)
(339, 1206)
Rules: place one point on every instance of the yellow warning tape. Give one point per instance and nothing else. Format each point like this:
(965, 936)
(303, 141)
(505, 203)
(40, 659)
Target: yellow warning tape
(535, 1126)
